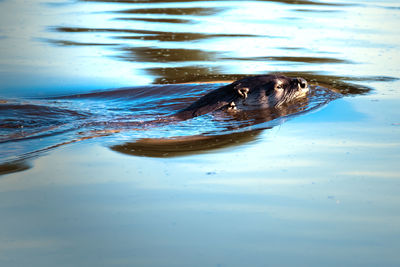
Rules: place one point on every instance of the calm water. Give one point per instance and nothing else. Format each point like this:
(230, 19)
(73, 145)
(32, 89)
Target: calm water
(93, 175)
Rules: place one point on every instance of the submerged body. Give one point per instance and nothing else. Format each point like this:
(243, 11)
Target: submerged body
(256, 92)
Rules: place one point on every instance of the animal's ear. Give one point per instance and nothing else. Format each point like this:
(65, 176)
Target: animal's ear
(241, 91)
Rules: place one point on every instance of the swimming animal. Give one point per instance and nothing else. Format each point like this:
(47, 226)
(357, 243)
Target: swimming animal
(250, 93)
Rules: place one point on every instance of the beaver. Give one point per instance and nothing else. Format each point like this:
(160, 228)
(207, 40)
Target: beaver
(250, 93)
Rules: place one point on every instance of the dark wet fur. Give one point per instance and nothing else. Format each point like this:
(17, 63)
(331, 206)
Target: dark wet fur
(224, 96)
(212, 101)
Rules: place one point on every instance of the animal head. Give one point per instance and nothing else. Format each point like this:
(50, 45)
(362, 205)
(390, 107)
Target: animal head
(270, 90)
(263, 91)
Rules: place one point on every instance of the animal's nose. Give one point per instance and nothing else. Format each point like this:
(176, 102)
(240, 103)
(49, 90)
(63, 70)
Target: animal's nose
(302, 83)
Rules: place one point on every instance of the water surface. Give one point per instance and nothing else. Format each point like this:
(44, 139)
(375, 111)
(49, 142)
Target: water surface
(93, 176)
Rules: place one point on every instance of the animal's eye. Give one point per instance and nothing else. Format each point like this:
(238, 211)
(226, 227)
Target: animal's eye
(279, 86)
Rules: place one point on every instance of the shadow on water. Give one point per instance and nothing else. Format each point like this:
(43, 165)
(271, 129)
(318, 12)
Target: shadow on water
(12, 167)
(184, 146)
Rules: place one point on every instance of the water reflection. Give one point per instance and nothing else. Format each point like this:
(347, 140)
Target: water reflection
(182, 146)
(306, 2)
(16, 166)
(160, 20)
(143, 1)
(187, 74)
(168, 55)
(314, 60)
(73, 43)
(198, 11)
(149, 35)
(144, 36)
(292, 2)
(316, 10)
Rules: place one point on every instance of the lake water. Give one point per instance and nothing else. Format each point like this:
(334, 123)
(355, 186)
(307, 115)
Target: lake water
(93, 176)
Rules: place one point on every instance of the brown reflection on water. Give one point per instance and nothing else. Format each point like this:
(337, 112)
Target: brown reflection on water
(198, 11)
(315, 60)
(94, 30)
(292, 2)
(142, 1)
(11, 167)
(199, 72)
(176, 36)
(175, 56)
(148, 54)
(139, 34)
(305, 2)
(73, 43)
(190, 74)
(183, 21)
(181, 146)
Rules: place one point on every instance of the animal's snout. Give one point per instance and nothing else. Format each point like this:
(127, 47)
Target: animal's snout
(302, 83)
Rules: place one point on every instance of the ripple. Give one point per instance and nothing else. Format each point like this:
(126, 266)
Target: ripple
(73, 43)
(307, 2)
(198, 11)
(149, 34)
(23, 120)
(149, 54)
(159, 20)
(315, 60)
